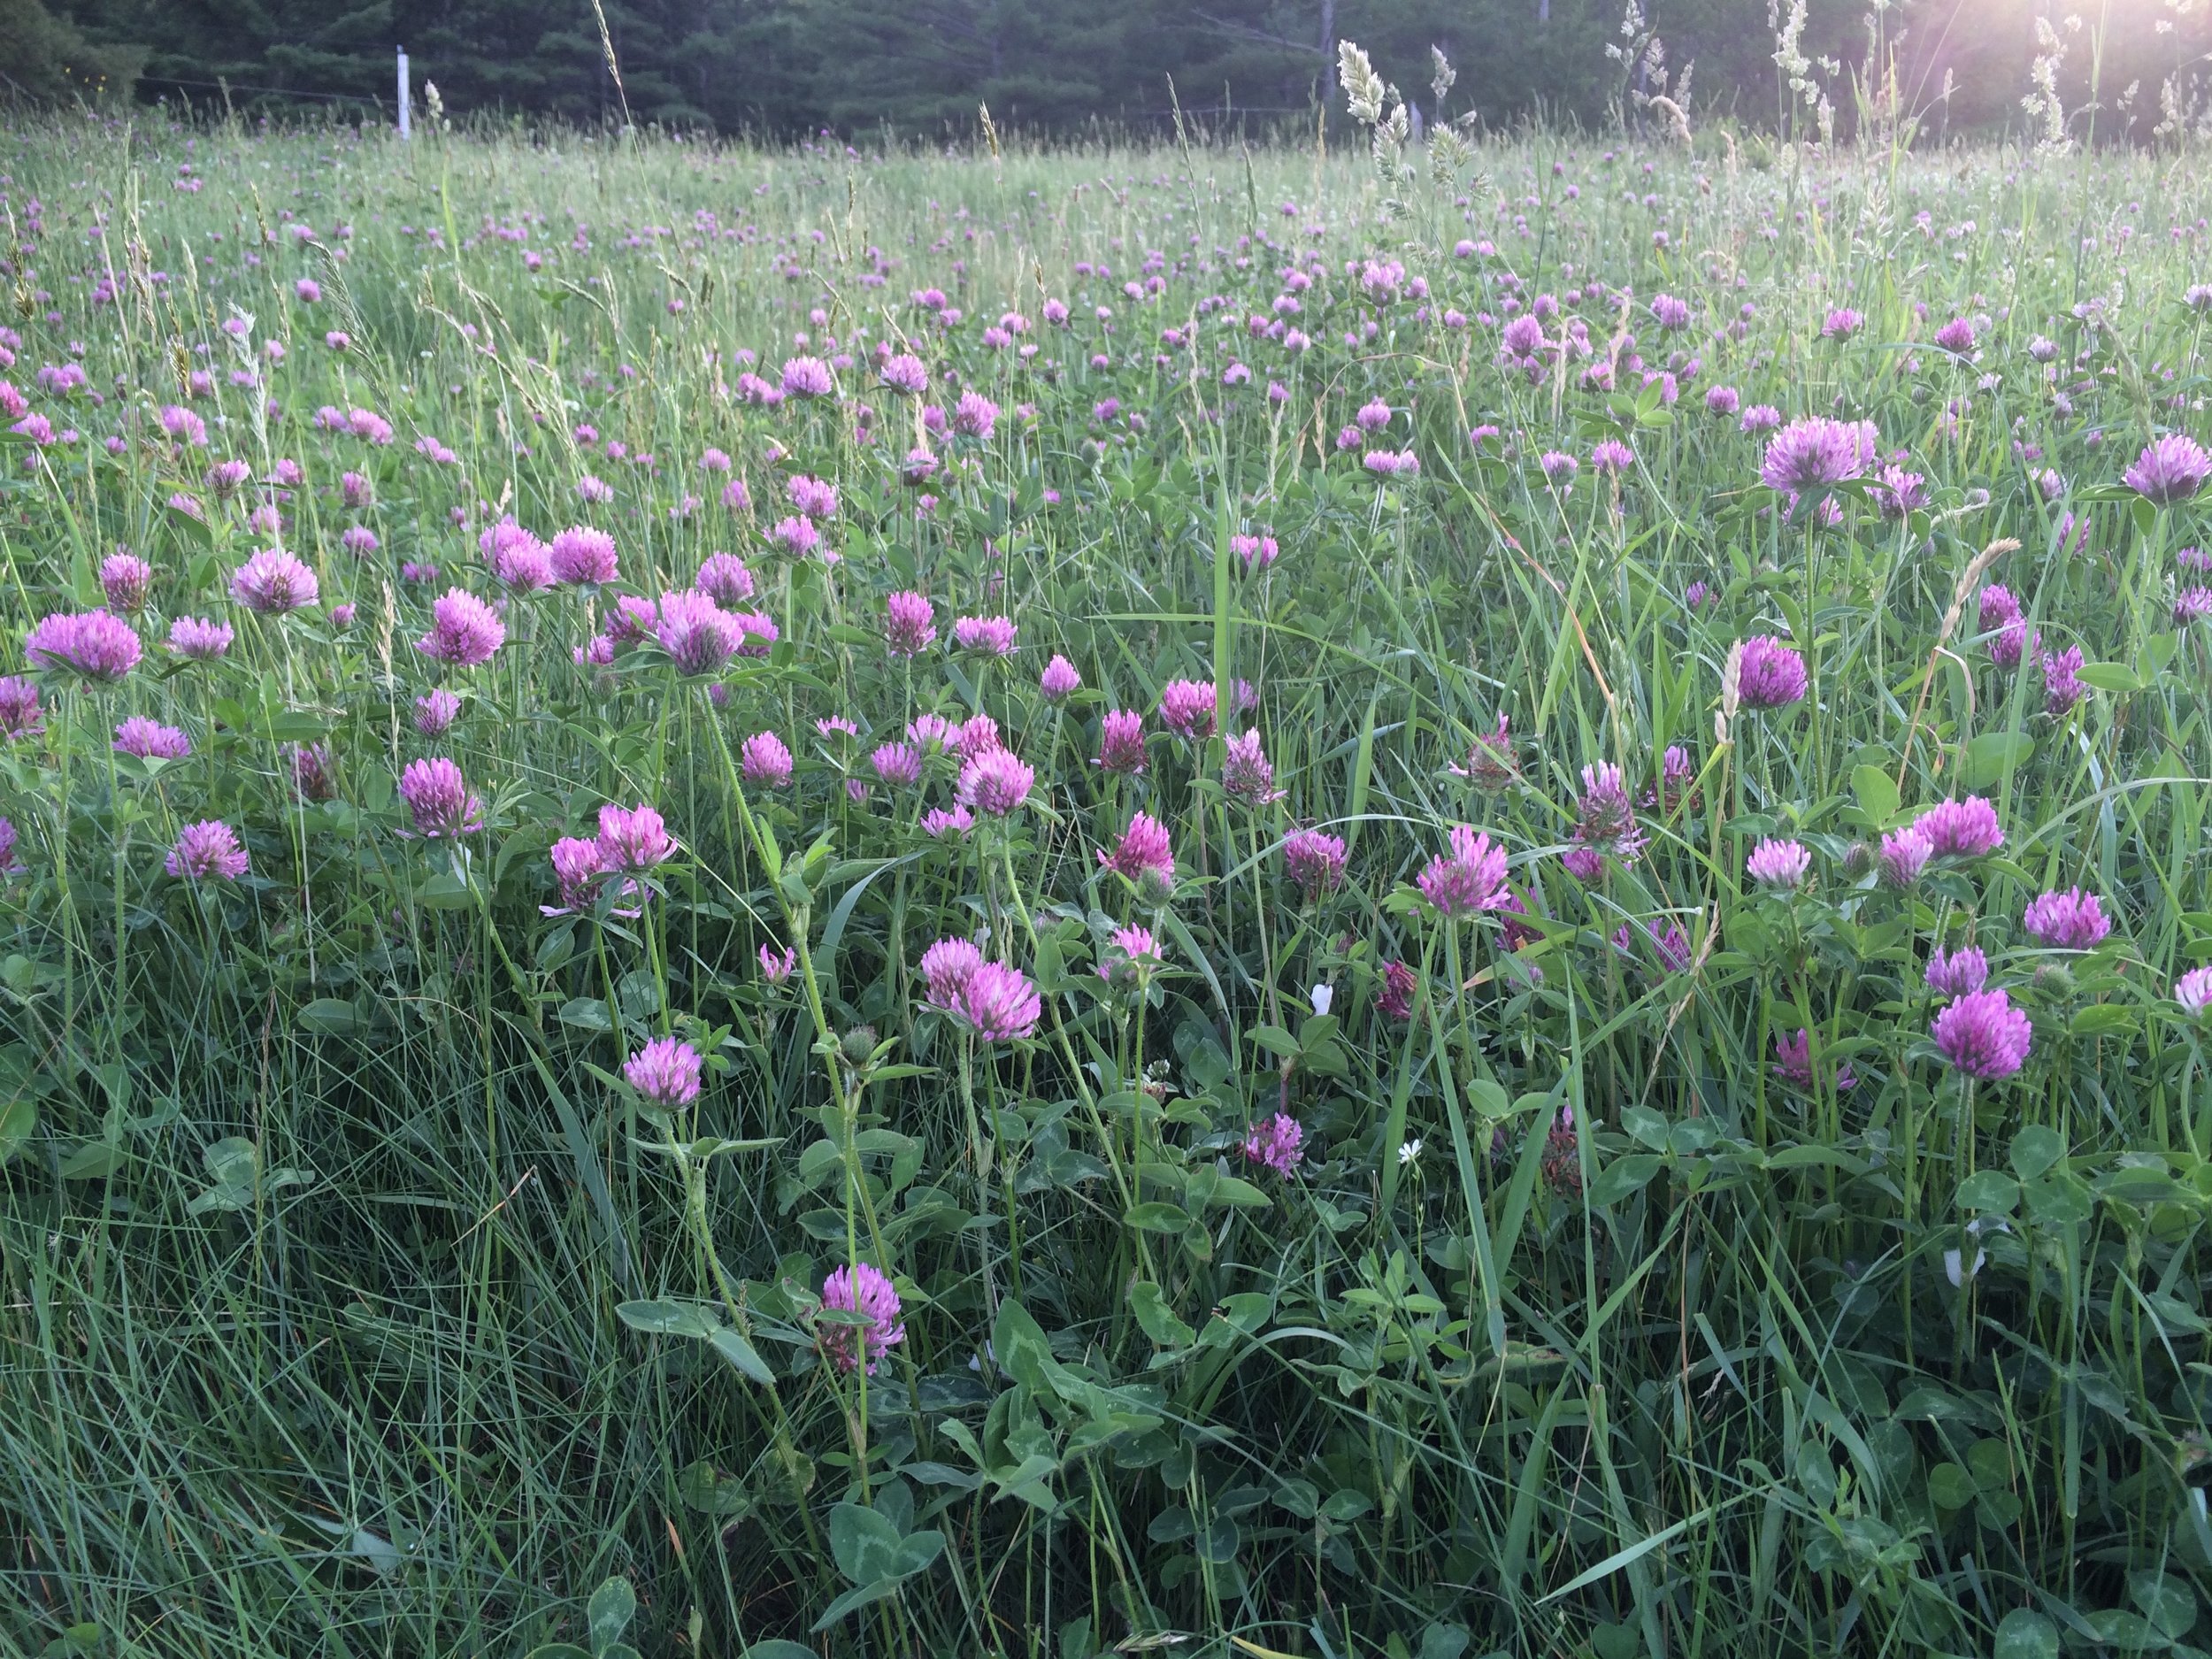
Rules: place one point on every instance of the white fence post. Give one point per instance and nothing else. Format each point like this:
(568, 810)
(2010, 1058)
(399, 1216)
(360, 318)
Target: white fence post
(404, 96)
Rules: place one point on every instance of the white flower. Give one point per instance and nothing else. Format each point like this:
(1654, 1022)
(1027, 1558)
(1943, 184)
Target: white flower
(1954, 1265)
(1408, 1153)
(1323, 997)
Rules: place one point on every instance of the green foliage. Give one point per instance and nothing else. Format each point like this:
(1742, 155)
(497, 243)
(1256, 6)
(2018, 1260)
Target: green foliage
(355, 1295)
(607, 1616)
(45, 57)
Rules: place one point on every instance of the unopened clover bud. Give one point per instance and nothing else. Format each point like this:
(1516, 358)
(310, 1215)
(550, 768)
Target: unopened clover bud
(2054, 979)
(1155, 888)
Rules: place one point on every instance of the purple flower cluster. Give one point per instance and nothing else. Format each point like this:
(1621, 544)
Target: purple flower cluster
(765, 759)
(1491, 766)
(1121, 742)
(1278, 1143)
(1781, 867)
(1982, 1035)
(149, 739)
(2001, 619)
(699, 636)
(1144, 851)
(126, 581)
(439, 799)
(1666, 942)
(21, 713)
(633, 840)
(1187, 709)
(2170, 469)
(2062, 686)
(862, 1290)
(996, 1002)
(725, 579)
(1960, 973)
(1961, 829)
(199, 640)
(2071, 920)
(1793, 1064)
(1130, 957)
(910, 624)
(465, 632)
(275, 583)
(1605, 822)
(914, 524)
(207, 852)
(665, 1073)
(1904, 854)
(995, 782)
(1470, 877)
(92, 645)
(1817, 453)
(1246, 774)
(1315, 860)
(1772, 676)
(983, 636)
(1059, 681)
(583, 557)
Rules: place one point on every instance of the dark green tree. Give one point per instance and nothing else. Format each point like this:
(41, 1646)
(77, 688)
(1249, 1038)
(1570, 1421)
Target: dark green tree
(47, 58)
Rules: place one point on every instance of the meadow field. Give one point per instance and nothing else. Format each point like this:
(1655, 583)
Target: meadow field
(1201, 900)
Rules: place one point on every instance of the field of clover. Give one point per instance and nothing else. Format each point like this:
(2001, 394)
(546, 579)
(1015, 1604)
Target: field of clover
(1184, 900)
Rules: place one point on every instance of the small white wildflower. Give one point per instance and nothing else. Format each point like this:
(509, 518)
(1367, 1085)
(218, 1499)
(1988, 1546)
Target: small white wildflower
(1408, 1153)
(1954, 1266)
(1323, 997)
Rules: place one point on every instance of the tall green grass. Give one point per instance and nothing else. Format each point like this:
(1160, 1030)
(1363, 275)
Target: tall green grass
(354, 1306)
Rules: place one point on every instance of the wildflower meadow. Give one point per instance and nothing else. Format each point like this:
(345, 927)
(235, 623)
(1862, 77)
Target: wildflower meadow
(1448, 899)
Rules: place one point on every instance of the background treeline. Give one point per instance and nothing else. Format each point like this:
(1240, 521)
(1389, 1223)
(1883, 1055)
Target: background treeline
(920, 67)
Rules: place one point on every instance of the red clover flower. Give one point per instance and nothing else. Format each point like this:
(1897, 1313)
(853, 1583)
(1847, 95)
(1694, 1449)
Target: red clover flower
(1982, 1035)
(207, 852)
(861, 1289)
